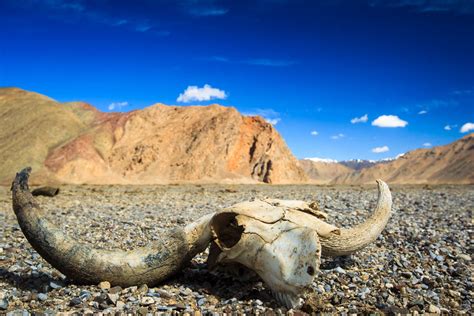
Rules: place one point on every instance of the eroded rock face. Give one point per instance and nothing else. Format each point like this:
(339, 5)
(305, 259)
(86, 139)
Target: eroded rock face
(162, 144)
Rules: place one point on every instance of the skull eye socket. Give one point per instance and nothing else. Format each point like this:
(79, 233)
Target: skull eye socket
(227, 230)
(310, 270)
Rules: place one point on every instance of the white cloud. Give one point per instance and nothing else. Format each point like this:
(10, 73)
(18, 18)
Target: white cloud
(447, 128)
(273, 121)
(117, 105)
(427, 144)
(379, 150)
(362, 119)
(467, 127)
(338, 136)
(314, 133)
(422, 112)
(389, 121)
(206, 93)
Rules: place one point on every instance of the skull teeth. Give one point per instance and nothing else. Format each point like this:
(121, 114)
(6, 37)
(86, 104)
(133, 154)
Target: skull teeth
(287, 299)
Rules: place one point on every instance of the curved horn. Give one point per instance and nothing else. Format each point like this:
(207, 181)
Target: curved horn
(83, 264)
(347, 241)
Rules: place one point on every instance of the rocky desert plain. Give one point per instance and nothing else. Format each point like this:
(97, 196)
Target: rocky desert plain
(125, 178)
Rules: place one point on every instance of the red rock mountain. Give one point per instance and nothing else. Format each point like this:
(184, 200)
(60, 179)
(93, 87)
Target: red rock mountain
(75, 143)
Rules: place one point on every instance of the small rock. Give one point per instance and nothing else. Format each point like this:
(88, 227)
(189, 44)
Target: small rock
(42, 297)
(75, 301)
(85, 295)
(115, 290)
(113, 298)
(146, 301)
(340, 270)
(434, 309)
(143, 289)
(143, 311)
(104, 285)
(201, 301)
(464, 257)
(164, 294)
(3, 304)
(55, 285)
(454, 293)
(180, 306)
(120, 304)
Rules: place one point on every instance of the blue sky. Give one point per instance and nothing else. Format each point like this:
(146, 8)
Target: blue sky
(309, 67)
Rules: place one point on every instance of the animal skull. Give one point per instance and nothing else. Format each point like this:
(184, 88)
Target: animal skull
(263, 238)
(281, 240)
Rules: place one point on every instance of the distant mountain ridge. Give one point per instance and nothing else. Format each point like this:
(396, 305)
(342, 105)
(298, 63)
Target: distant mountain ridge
(74, 142)
(452, 163)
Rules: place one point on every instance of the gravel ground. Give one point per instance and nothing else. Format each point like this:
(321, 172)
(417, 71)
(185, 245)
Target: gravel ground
(421, 263)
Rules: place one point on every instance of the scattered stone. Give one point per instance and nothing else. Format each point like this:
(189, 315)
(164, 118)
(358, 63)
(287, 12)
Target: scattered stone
(3, 304)
(401, 273)
(464, 257)
(75, 301)
(115, 290)
(112, 298)
(42, 297)
(340, 270)
(146, 301)
(143, 289)
(104, 285)
(55, 285)
(434, 309)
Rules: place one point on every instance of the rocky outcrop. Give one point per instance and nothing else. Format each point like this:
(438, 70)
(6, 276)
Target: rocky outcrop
(159, 144)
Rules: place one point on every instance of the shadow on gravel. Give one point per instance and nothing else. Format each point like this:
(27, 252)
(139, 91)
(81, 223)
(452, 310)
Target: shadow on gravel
(25, 282)
(238, 284)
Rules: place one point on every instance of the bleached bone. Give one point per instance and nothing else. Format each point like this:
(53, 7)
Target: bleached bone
(281, 240)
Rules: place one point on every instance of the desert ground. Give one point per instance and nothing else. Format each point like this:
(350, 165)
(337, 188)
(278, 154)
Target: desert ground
(421, 263)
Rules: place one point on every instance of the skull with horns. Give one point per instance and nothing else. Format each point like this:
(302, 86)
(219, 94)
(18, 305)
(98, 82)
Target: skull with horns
(281, 240)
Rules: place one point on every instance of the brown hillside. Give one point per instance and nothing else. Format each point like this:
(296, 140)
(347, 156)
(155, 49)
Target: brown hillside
(158, 144)
(452, 163)
(320, 172)
(31, 125)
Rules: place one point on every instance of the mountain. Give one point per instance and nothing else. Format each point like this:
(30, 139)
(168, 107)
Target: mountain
(323, 171)
(76, 143)
(358, 164)
(452, 163)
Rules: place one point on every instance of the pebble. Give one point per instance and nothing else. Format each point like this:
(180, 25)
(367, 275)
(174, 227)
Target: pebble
(146, 301)
(104, 285)
(3, 304)
(115, 290)
(55, 285)
(75, 301)
(340, 270)
(434, 309)
(42, 297)
(419, 263)
(113, 298)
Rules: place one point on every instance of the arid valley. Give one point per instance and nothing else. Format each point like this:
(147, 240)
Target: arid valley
(229, 157)
(420, 263)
